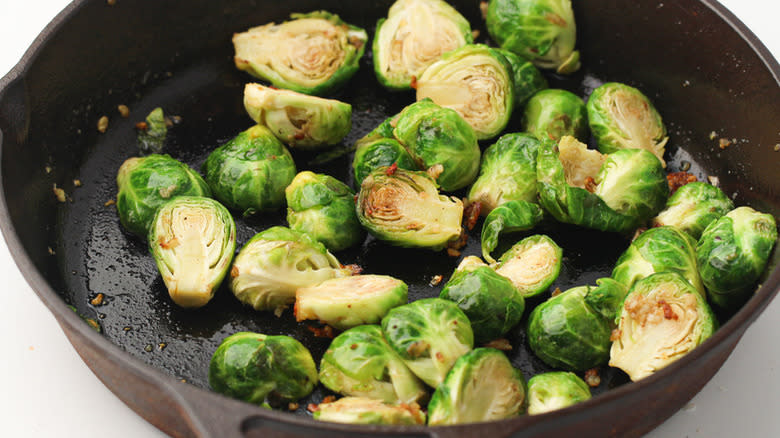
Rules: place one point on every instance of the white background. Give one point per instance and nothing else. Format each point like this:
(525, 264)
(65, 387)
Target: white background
(48, 391)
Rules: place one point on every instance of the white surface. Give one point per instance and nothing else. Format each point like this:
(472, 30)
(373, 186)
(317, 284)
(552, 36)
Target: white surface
(48, 391)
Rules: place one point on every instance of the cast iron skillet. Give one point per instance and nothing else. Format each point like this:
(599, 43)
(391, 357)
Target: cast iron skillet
(704, 70)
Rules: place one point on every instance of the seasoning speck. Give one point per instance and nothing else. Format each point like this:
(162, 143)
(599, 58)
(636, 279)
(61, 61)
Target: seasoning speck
(435, 280)
(723, 143)
(148, 348)
(777, 147)
(109, 203)
(124, 111)
(59, 193)
(98, 300)
(127, 328)
(102, 124)
(475, 34)
(161, 346)
(293, 406)
(47, 169)
(76, 183)
(713, 135)
(51, 251)
(556, 292)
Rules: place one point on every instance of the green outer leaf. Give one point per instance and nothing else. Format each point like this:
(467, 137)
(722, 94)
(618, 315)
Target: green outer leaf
(145, 183)
(606, 298)
(527, 79)
(152, 139)
(508, 217)
(250, 172)
(262, 369)
(359, 362)
(513, 264)
(555, 390)
(554, 113)
(694, 206)
(482, 386)
(377, 152)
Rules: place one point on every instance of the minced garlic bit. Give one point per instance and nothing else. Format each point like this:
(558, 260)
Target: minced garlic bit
(777, 147)
(124, 111)
(500, 344)
(98, 300)
(723, 143)
(714, 180)
(592, 377)
(102, 124)
(47, 169)
(435, 280)
(51, 251)
(76, 183)
(483, 8)
(59, 193)
(713, 135)
(475, 33)
(109, 203)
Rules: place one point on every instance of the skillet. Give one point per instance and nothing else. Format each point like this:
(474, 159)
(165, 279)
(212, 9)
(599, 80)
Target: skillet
(91, 240)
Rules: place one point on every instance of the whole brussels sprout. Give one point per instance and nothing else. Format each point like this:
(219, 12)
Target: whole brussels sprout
(694, 206)
(617, 192)
(543, 31)
(378, 152)
(404, 208)
(659, 249)
(346, 302)
(275, 263)
(145, 183)
(507, 172)
(555, 390)
(481, 386)
(477, 82)
(360, 363)
(324, 208)
(313, 53)
(192, 240)
(554, 113)
(298, 120)
(662, 318)
(528, 80)
(441, 142)
(508, 217)
(733, 252)
(361, 410)
(413, 36)
(250, 172)
(429, 335)
(621, 117)
(263, 370)
(490, 301)
(532, 264)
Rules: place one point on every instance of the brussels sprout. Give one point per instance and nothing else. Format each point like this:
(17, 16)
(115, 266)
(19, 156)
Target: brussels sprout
(543, 31)
(659, 249)
(507, 172)
(151, 139)
(360, 410)
(250, 172)
(532, 264)
(192, 240)
(629, 186)
(548, 392)
(429, 335)
(554, 113)
(413, 36)
(359, 362)
(377, 152)
(145, 183)
(508, 217)
(441, 141)
(263, 370)
(621, 117)
(404, 208)
(481, 386)
(275, 263)
(733, 252)
(477, 82)
(662, 319)
(298, 120)
(313, 53)
(490, 301)
(324, 208)
(694, 206)
(349, 301)
(528, 80)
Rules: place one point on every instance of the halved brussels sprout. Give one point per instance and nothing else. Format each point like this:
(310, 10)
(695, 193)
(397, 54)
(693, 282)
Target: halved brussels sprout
(481, 386)
(324, 208)
(404, 208)
(733, 252)
(609, 193)
(490, 301)
(361, 410)
(350, 301)
(659, 249)
(694, 206)
(532, 264)
(476, 81)
(507, 172)
(298, 120)
(192, 240)
(377, 152)
(508, 217)
(275, 263)
(441, 142)
(312, 53)
(250, 172)
(662, 319)
(145, 183)
(554, 113)
(543, 31)
(555, 390)
(528, 80)
(621, 117)
(263, 370)
(430, 335)
(359, 362)
(413, 36)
